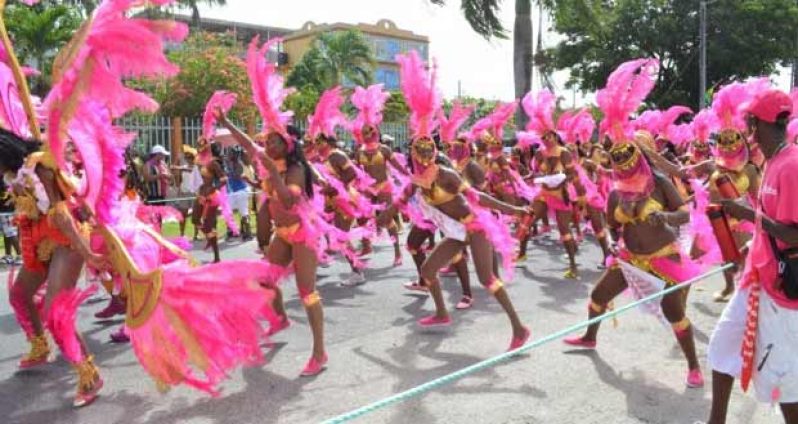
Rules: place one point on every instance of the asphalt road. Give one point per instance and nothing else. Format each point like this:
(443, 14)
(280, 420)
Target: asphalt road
(635, 376)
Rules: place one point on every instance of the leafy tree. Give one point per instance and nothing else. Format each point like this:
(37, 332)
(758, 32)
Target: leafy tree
(483, 17)
(208, 62)
(38, 32)
(396, 109)
(744, 38)
(335, 58)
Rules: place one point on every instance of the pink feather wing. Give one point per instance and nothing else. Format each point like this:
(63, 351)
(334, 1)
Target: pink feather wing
(221, 100)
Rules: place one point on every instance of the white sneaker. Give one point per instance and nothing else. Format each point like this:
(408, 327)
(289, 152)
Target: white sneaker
(354, 280)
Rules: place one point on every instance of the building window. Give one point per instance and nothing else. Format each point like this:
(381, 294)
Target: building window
(388, 77)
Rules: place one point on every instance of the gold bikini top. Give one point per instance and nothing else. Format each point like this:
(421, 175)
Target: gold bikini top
(377, 159)
(437, 195)
(545, 166)
(650, 206)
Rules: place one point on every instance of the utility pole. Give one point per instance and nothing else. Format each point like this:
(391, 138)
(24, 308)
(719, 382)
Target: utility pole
(702, 84)
(459, 89)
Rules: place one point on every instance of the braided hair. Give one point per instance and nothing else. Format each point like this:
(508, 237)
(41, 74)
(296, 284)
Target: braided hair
(15, 149)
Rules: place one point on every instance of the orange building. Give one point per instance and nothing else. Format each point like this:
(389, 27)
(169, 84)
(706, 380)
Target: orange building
(384, 37)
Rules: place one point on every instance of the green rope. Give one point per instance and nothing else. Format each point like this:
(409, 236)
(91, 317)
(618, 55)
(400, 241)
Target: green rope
(490, 362)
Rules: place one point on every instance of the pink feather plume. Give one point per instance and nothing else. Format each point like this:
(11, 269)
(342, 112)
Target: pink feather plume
(116, 48)
(527, 139)
(577, 126)
(457, 117)
(422, 97)
(704, 124)
(540, 110)
(221, 100)
(268, 89)
(495, 121)
(667, 120)
(369, 103)
(625, 91)
(327, 115)
(727, 105)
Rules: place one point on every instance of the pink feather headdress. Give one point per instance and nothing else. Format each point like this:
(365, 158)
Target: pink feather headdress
(726, 105)
(369, 103)
(494, 123)
(457, 117)
(540, 110)
(648, 121)
(705, 124)
(268, 88)
(666, 126)
(625, 91)
(109, 49)
(421, 95)
(327, 115)
(221, 100)
(577, 126)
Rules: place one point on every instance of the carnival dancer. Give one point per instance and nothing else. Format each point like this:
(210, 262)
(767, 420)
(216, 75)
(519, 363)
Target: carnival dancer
(206, 208)
(375, 157)
(755, 338)
(577, 129)
(645, 209)
(458, 150)
(190, 182)
(553, 159)
(339, 174)
(452, 203)
(299, 228)
(176, 302)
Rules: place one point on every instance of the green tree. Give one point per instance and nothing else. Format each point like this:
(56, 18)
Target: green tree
(744, 38)
(208, 62)
(483, 17)
(38, 32)
(335, 58)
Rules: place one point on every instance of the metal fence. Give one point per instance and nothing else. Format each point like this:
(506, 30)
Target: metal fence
(158, 130)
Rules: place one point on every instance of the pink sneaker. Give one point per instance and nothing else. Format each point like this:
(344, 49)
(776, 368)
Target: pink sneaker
(695, 379)
(416, 286)
(277, 327)
(449, 270)
(520, 341)
(314, 366)
(465, 303)
(580, 342)
(434, 321)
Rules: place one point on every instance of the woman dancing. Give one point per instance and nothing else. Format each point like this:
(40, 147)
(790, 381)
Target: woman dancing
(645, 209)
(452, 202)
(208, 204)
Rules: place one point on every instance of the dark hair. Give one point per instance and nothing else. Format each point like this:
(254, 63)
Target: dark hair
(216, 150)
(297, 156)
(782, 120)
(14, 149)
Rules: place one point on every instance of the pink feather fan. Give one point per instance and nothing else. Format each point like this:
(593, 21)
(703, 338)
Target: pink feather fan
(109, 49)
(369, 103)
(268, 89)
(540, 110)
(220, 100)
(327, 115)
(12, 113)
(457, 117)
(421, 95)
(625, 91)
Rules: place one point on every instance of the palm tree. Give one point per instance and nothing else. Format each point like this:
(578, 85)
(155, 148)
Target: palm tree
(482, 15)
(38, 32)
(335, 58)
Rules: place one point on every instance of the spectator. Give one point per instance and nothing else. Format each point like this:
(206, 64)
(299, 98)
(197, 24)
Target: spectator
(190, 181)
(238, 189)
(157, 176)
(10, 232)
